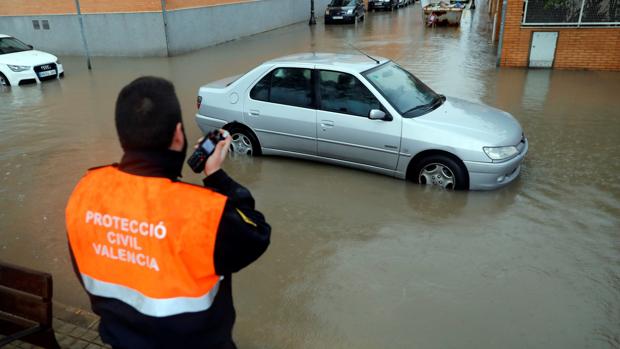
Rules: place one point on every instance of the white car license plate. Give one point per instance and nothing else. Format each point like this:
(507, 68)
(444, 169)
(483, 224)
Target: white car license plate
(337, 17)
(47, 73)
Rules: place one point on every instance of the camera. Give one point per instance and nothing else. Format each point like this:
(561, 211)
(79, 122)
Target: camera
(206, 147)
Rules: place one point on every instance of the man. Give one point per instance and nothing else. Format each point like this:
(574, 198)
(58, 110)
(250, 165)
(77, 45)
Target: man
(154, 254)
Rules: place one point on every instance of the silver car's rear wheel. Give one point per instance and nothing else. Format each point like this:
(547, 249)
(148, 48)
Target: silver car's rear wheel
(241, 144)
(244, 142)
(438, 175)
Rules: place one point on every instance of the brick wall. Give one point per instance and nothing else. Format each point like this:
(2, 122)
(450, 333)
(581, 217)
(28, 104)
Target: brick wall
(36, 7)
(58, 7)
(577, 48)
(107, 6)
(181, 4)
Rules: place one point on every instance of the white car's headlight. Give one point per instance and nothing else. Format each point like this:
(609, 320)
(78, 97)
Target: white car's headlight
(18, 68)
(501, 153)
(349, 12)
(58, 61)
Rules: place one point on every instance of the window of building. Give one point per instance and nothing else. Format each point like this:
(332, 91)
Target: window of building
(571, 13)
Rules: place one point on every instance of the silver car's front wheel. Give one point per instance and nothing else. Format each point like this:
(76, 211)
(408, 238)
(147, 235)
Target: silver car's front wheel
(440, 170)
(438, 175)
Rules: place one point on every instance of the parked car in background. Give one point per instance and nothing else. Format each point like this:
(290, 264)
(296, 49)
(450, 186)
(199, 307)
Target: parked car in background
(20, 63)
(388, 5)
(366, 113)
(350, 11)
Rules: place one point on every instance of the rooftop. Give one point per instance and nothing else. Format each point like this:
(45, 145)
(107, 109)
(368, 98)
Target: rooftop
(356, 62)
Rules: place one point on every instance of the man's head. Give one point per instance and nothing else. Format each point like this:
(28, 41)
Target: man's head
(148, 115)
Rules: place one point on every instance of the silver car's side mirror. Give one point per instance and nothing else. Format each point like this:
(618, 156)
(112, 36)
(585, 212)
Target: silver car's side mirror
(376, 114)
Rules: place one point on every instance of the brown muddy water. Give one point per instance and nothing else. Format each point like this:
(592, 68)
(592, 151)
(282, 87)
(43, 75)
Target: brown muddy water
(360, 260)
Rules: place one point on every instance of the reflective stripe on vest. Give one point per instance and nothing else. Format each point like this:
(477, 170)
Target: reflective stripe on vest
(151, 306)
(146, 241)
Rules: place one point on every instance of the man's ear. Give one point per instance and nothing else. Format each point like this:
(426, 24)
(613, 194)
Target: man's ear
(178, 139)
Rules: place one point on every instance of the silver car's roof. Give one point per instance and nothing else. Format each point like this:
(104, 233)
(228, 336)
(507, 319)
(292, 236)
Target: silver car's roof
(355, 62)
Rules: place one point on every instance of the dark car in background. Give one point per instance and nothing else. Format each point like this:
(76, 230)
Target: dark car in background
(351, 11)
(388, 5)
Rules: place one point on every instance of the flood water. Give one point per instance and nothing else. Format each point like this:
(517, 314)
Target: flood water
(360, 260)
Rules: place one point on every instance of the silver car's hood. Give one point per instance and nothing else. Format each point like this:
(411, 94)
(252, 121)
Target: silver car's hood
(488, 125)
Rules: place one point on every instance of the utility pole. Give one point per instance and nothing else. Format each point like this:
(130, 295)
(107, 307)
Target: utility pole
(165, 19)
(79, 14)
(312, 17)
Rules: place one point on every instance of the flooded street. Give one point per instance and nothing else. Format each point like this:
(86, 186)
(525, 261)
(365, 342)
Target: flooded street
(360, 260)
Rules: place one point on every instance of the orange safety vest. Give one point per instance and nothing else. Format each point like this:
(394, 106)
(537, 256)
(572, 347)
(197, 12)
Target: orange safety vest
(146, 241)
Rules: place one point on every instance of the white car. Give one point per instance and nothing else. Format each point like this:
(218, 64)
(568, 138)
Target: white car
(20, 64)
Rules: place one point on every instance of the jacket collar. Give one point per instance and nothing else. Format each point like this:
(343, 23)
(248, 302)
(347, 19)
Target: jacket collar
(153, 163)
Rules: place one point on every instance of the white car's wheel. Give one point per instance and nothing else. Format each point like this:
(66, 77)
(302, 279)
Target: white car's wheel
(4, 81)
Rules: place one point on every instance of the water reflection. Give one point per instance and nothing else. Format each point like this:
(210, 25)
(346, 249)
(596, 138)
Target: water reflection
(360, 260)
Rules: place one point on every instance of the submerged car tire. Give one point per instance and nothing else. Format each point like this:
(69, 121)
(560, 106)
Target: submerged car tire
(4, 81)
(243, 142)
(441, 171)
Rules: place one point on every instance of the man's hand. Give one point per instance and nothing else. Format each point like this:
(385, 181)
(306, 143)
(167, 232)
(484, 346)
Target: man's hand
(214, 162)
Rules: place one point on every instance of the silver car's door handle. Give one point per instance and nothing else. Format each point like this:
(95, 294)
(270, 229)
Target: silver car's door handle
(327, 123)
(254, 112)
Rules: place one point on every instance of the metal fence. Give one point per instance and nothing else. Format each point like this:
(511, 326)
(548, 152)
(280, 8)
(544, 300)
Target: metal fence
(571, 13)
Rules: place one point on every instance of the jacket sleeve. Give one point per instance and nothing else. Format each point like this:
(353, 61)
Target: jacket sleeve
(243, 234)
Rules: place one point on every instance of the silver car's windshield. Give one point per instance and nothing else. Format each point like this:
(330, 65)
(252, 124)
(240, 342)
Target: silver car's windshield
(12, 45)
(404, 91)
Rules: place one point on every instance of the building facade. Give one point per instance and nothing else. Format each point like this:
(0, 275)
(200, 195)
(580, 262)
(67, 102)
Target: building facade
(143, 27)
(561, 34)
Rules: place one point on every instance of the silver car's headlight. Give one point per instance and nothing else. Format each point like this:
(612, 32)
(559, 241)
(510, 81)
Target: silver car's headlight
(18, 68)
(501, 153)
(349, 12)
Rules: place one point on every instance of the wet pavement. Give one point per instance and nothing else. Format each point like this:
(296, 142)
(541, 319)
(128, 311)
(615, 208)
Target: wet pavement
(360, 260)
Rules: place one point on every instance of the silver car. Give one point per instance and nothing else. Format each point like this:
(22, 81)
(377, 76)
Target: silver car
(366, 113)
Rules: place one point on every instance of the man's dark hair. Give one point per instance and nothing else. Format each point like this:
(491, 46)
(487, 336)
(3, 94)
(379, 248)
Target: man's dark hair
(147, 112)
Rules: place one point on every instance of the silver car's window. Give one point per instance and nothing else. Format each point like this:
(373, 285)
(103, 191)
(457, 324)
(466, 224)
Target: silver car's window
(290, 86)
(11, 45)
(344, 93)
(406, 93)
(260, 91)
